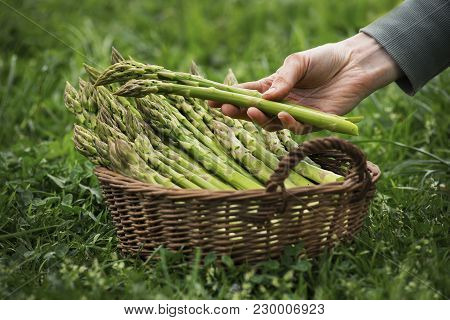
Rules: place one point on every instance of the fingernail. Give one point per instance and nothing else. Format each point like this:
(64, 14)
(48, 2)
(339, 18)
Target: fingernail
(270, 91)
(283, 114)
(249, 112)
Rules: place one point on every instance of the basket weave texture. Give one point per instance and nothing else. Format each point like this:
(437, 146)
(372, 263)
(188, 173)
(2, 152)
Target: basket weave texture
(248, 225)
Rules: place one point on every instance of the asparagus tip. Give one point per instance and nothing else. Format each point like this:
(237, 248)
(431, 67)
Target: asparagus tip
(116, 56)
(195, 70)
(92, 72)
(355, 119)
(69, 89)
(230, 78)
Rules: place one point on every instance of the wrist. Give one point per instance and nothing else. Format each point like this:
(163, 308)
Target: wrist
(378, 66)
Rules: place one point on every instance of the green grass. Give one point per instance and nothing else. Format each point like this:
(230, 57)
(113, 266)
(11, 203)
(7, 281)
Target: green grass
(56, 238)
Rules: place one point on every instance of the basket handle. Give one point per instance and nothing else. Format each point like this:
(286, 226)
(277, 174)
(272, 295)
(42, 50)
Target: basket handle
(317, 146)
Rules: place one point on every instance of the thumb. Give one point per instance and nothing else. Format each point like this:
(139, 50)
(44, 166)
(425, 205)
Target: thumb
(286, 77)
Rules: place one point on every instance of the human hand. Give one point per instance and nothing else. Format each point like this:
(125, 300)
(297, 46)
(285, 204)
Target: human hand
(333, 78)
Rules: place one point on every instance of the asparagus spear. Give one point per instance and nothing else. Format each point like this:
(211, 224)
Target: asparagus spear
(174, 156)
(130, 69)
(73, 104)
(140, 88)
(286, 139)
(128, 155)
(115, 117)
(172, 128)
(71, 99)
(145, 150)
(86, 96)
(144, 145)
(273, 143)
(179, 156)
(124, 70)
(195, 118)
(188, 120)
(204, 123)
(250, 127)
(312, 171)
(201, 115)
(248, 134)
(127, 70)
(307, 167)
(110, 128)
(162, 107)
(355, 119)
(110, 117)
(195, 70)
(249, 141)
(90, 146)
(199, 130)
(252, 163)
(206, 113)
(262, 154)
(214, 164)
(116, 57)
(230, 79)
(126, 161)
(92, 72)
(104, 132)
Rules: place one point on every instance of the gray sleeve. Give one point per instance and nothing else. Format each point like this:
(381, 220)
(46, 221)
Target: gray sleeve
(416, 35)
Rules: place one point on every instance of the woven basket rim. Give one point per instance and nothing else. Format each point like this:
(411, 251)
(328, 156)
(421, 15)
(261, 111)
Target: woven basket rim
(131, 185)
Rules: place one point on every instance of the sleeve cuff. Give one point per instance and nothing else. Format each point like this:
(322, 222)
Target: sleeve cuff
(404, 82)
(415, 35)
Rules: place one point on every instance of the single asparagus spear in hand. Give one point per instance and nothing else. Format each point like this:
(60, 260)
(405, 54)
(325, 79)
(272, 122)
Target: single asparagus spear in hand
(141, 88)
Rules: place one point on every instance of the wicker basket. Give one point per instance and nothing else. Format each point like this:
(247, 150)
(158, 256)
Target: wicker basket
(249, 225)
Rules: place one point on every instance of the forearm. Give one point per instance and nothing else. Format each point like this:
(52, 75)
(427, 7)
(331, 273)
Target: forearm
(416, 36)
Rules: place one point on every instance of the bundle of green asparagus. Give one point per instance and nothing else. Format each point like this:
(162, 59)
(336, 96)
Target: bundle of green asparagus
(170, 137)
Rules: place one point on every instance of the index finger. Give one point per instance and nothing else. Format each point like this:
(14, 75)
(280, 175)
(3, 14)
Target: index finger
(261, 86)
